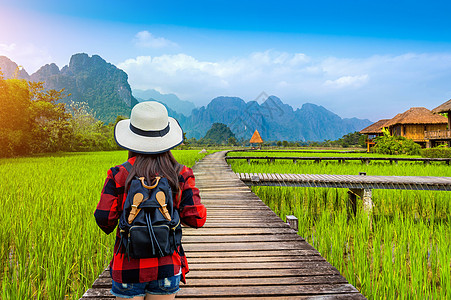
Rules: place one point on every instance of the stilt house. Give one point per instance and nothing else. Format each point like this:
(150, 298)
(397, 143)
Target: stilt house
(372, 132)
(442, 136)
(417, 123)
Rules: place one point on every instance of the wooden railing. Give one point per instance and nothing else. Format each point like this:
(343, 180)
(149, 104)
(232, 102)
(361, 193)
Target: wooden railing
(440, 134)
(367, 160)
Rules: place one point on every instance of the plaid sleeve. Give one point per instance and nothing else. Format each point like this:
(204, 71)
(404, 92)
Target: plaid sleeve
(192, 212)
(109, 207)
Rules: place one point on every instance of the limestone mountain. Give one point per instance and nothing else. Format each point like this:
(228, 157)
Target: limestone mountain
(86, 79)
(9, 68)
(274, 120)
(92, 80)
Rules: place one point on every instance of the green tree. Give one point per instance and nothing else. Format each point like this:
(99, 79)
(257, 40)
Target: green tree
(90, 134)
(50, 121)
(219, 134)
(15, 125)
(232, 141)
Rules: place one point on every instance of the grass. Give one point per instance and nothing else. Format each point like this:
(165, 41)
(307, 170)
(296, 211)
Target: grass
(50, 245)
(402, 252)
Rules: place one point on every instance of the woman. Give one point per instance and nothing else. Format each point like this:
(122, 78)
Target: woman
(149, 135)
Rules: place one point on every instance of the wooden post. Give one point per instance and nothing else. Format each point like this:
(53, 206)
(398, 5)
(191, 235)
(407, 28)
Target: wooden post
(351, 204)
(255, 179)
(292, 221)
(368, 200)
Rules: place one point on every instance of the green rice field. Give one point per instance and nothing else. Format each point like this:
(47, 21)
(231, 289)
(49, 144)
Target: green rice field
(402, 252)
(50, 245)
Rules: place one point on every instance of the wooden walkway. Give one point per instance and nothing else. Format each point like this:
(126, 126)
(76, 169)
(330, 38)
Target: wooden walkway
(245, 251)
(428, 183)
(318, 159)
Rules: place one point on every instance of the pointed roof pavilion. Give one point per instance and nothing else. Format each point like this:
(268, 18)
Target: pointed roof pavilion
(256, 138)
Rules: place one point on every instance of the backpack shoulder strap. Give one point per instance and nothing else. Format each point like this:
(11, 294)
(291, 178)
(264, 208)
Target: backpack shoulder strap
(128, 166)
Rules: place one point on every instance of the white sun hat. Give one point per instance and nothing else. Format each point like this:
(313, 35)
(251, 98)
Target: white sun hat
(149, 129)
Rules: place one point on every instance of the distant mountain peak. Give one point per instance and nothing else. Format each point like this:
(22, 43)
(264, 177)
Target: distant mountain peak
(8, 69)
(274, 120)
(171, 100)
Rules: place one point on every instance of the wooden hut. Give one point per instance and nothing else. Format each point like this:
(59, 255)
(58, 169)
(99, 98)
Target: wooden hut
(256, 139)
(415, 123)
(373, 131)
(444, 135)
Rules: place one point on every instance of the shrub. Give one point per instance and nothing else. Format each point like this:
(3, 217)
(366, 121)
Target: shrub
(438, 152)
(393, 145)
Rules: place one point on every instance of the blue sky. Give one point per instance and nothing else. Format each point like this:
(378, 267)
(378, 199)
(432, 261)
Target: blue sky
(366, 59)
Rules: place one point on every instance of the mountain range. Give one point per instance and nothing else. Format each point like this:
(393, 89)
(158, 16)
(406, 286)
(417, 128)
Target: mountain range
(273, 119)
(106, 90)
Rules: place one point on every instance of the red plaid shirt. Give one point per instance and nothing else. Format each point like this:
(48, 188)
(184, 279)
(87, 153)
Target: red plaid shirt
(128, 270)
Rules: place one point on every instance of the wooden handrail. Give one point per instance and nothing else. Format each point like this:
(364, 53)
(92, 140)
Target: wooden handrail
(342, 159)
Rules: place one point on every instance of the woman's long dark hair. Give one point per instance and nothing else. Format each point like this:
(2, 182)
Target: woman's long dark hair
(152, 165)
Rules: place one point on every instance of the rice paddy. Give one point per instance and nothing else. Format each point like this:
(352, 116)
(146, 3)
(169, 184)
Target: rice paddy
(50, 245)
(402, 252)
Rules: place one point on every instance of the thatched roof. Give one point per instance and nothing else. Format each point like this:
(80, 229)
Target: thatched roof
(256, 138)
(375, 127)
(445, 107)
(417, 115)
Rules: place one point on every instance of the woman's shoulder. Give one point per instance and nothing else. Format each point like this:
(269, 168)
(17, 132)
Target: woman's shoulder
(185, 172)
(122, 170)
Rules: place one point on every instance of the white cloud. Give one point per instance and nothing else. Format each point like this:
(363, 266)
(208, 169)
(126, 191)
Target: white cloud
(145, 39)
(28, 55)
(6, 49)
(347, 81)
(372, 87)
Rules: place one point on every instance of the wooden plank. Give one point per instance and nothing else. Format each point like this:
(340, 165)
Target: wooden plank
(106, 282)
(260, 265)
(256, 253)
(206, 260)
(206, 247)
(243, 225)
(353, 296)
(287, 290)
(102, 294)
(238, 274)
(241, 238)
(266, 281)
(236, 231)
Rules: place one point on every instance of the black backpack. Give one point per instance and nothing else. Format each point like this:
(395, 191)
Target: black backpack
(149, 224)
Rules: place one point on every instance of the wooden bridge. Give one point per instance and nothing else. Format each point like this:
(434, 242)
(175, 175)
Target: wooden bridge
(427, 183)
(318, 159)
(245, 251)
